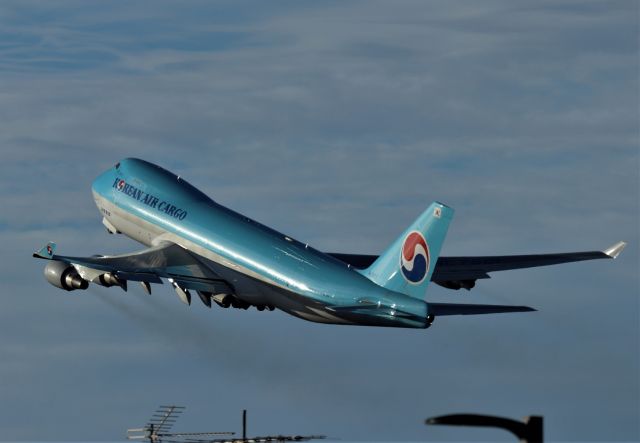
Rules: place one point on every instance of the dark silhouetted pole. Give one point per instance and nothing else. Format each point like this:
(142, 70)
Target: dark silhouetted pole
(528, 431)
(244, 424)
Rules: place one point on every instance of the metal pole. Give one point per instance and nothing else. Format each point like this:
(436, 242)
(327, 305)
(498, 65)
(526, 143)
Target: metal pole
(244, 424)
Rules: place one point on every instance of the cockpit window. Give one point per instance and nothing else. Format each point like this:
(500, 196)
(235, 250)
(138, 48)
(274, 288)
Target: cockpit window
(118, 165)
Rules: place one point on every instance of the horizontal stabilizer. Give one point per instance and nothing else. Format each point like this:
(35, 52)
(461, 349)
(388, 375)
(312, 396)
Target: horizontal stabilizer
(439, 309)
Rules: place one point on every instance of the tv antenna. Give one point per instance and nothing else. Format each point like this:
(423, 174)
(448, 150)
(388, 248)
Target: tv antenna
(158, 429)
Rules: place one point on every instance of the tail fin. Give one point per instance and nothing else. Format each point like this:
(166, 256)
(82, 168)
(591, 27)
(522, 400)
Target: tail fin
(46, 252)
(406, 266)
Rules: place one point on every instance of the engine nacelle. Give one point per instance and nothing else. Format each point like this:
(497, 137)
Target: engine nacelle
(108, 279)
(64, 276)
(456, 284)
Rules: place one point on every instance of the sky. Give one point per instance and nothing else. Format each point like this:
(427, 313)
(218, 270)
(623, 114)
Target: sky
(336, 123)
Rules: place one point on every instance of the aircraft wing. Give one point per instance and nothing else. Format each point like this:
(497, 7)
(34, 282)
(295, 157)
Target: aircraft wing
(462, 272)
(165, 260)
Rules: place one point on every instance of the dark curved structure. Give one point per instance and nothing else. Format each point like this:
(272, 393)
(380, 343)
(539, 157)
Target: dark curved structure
(529, 431)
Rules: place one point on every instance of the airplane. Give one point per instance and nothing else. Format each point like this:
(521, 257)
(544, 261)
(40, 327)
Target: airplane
(229, 259)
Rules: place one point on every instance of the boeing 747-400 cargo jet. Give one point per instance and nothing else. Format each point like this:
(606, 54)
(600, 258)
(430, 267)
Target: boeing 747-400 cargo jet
(231, 260)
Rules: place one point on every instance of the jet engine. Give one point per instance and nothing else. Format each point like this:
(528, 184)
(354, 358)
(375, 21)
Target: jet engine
(64, 276)
(456, 284)
(108, 279)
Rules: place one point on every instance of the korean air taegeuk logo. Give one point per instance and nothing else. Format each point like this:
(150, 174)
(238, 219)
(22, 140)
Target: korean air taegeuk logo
(414, 258)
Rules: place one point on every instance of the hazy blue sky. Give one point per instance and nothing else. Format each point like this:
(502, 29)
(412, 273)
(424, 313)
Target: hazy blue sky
(338, 123)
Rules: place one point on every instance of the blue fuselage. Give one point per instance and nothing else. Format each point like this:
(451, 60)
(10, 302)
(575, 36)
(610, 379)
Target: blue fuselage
(150, 205)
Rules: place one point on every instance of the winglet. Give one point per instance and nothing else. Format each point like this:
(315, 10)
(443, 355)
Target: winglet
(615, 250)
(46, 252)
